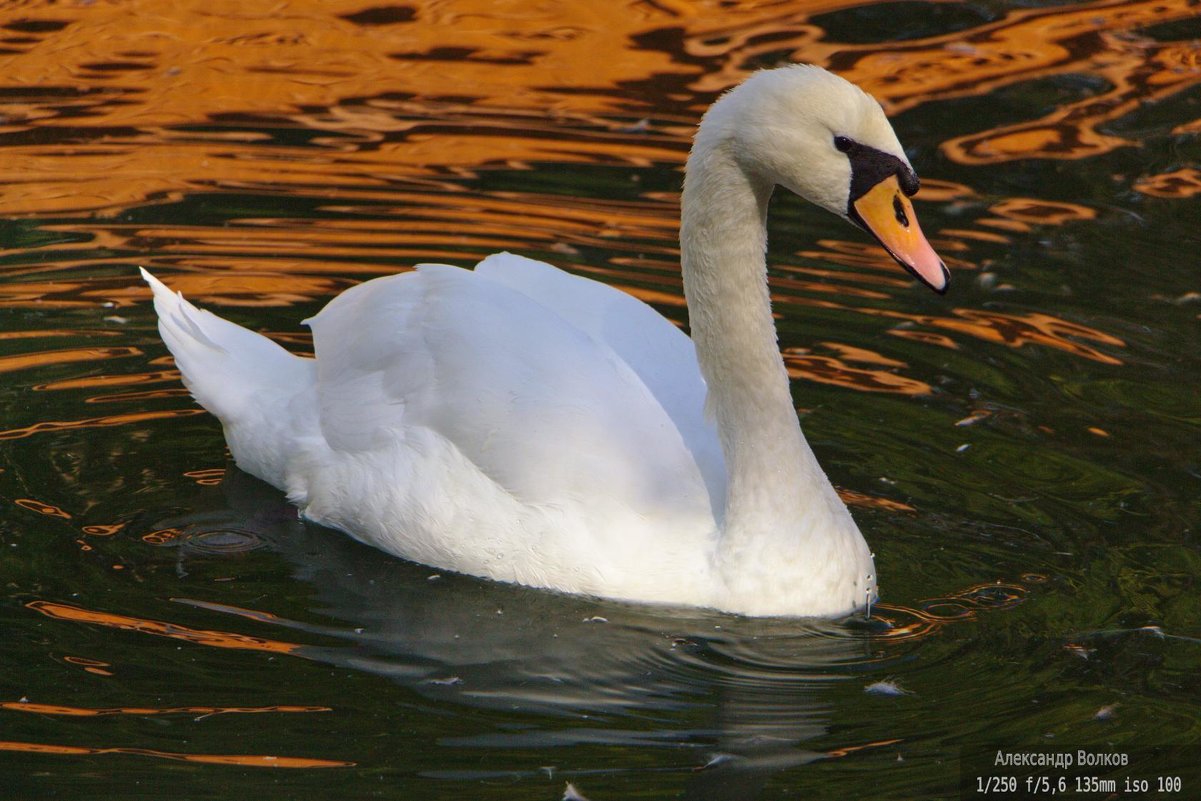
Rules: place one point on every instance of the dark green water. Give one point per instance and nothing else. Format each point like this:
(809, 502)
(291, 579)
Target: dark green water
(1032, 500)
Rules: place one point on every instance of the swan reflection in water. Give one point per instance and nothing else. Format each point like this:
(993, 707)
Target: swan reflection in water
(745, 695)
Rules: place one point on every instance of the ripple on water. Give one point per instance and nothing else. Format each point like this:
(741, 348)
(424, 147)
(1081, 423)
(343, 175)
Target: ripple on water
(225, 541)
(217, 541)
(741, 653)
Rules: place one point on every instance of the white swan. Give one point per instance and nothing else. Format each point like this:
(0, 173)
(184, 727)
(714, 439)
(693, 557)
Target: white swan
(527, 425)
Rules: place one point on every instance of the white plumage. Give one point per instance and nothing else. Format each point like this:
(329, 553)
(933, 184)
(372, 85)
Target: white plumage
(524, 424)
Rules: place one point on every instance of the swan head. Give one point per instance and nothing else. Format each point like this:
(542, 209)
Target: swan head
(825, 139)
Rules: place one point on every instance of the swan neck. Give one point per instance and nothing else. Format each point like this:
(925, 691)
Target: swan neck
(786, 541)
(772, 473)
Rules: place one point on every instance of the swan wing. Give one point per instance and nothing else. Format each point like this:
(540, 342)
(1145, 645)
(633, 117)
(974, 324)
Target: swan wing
(662, 355)
(547, 411)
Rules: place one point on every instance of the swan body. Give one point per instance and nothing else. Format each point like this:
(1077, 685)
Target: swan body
(523, 424)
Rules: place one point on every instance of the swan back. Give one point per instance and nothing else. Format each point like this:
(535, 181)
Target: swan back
(546, 410)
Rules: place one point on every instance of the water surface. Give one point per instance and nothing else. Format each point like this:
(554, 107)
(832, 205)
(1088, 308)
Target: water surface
(1022, 453)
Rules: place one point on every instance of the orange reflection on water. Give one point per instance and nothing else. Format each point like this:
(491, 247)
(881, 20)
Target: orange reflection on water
(981, 236)
(177, 103)
(210, 477)
(862, 355)
(1100, 39)
(242, 760)
(163, 536)
(837, 371)
(318, 52)
(241, 289)
(137, 108)
(847, 750)
(42, 508)
(103, 530)
(90, 665)
(95, 422)
(386, 86)
(215, 639)
(933, 614)
(1182, 183)
(138, 397)
(1041, 212)
(1016, 330)
(853, 498)
(102, 381)
(134, 107)
(928, 337)
(52, 332)
(90, 712)
(26, 361)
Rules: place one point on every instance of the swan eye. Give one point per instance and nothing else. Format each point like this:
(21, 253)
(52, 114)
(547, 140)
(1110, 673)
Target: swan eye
(843, 144)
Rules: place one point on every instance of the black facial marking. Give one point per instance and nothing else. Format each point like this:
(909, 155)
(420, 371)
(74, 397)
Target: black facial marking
(870, 166)
(898, 209)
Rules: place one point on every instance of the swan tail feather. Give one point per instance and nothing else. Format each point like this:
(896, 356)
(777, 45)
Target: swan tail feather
(248, 382)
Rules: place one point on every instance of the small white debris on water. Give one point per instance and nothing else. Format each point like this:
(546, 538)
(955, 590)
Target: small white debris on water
(1106, 712)
(449, 681)
(885, 687)
(1079, 650)
(572, 794)
(596, 619)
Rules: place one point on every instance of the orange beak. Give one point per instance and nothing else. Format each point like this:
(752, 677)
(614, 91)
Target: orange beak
(885, 212)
